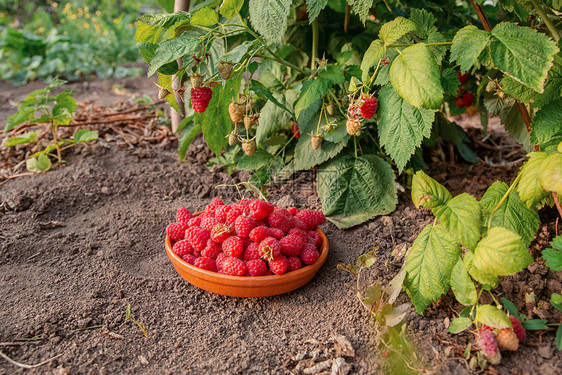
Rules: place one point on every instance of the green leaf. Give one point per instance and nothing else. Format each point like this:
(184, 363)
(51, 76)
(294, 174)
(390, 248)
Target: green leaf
(21, 116)
(85, 135)
(517, 90)
(535, 324)
(546, 128)
(354, 190)
(39, 164)
(522, 53)
(64, 103)
(391, 31)
(371, 58)
(501, 253)
(171, 50)
(438, 51)
(559, 337)
(529, 187)
(24, 138)
(269, 18)
(459, 324)
(477, 274)
(148, 33)
(251, 163)
(366, 260)
(550, 175)
(556, 301)
(165, 81)
(401, 126)
(273, 117)
(333, 74)
(415, 75)
(510, 307)
(427, 192)
(468, 44)
(312, 91)
(147, 51)
(450, 81)
(553, 256)
(314, 7)
(462, 285)
(461, 216)
(229, 8)
(259, 88)
(164, 20)
(424, 22)
(512, 214)
(492, 317)
(432, 257)
(361, 8)
(168, 5)
(190, 130)
(205, 17)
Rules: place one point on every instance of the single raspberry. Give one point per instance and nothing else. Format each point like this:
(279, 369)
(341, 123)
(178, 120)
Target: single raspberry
(182, 248)
(353, 126)
(258, 234)
(233, 246)
(291, 245)
(200, 98)
(212, 250)
(197, 237)
(312, 218)
(463, 77)
(507, 339)
(221, 232)
(280, 221)
(269, 248)
(236, 111)
(488, 346)
(225, 69)
(196, 80)
(256, 267)
(369, 107)
(295, 263)
(183, 215)
(233, 266)
(252, 252)
(293, 211)
(208, 223)
(220, 213)
(459, 102)
(317, 239)
(249, 147)
(282, 211)
(194, 222)
(176, 231)
(196, 253)
(279, 265)
(299, 232)
(189, 258)
(309, 255)
(244, 225)
(206, 264)
(259, 209)
(296, 131)
(215, 202)
(316, 141)
(220, 258)
(467, 99)
(298, 223)
(245, 202)
(233, 213)
(518, 328)
(276, 233)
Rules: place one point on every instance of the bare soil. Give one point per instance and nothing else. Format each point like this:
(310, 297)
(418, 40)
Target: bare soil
(83, 241)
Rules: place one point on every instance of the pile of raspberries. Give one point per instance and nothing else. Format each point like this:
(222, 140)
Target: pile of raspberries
(247, 238)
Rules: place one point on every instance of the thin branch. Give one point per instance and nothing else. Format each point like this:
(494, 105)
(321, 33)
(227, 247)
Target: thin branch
(22, 365)
(557, 203)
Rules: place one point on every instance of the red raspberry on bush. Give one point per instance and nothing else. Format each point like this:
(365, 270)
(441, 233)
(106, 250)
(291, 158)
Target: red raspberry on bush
(256, 267)
(258, 234)
(183, 215)
(200, 98)
(467, 99)
(252, 252)
(221, 232)
(206, 264)
(369, 107)
(182, 248)
(463, 77)
(309, 255)
(212, 250)
(459, 102)
(233, 266)
(279, 265)
(295, 263)
(269, 248)
(233, 246)
(291, 245)
(518, 328)
(176, 231)
(259, 209)
(280, 221)
(296, 131)
(243, 226)
(312, 218)
(197, 237)
(189, 258)
(194, 222)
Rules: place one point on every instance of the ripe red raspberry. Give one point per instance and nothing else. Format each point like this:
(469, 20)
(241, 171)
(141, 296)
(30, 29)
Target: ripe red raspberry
(176, 231)
(206, 264)
(194, 222)
(182, 248)
(463, 77)
(233, 266)
(280, 221)
(258, 234)
(282, 211)
(279, 265)
(467, 99)
(256, 267)
(317, 239)
(245, 202)
(295, 263)
(299, 232)
(220, 258)
(208, 223)
(269, 248)
(232, 214)
(252, 252)
(243, 226)
(518, 328)
(312, 218)
(221, 232)
(183, 215)
(487, 344)
(212, 250)
(200, 98)
(369, 107)
(293, 211)
(276, 233)
(197, 237)
(189, 258)
(459, 102)
(291, 245)
(298, 223)
(220, 213)
(233, 246)
(309, 255)
(215, 202)
(296, 131)
(260, 209)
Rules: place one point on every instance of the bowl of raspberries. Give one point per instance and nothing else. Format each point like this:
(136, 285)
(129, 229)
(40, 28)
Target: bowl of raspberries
(247, 249)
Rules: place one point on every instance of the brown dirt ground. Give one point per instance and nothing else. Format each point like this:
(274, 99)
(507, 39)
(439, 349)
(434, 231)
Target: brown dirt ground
(86, 239)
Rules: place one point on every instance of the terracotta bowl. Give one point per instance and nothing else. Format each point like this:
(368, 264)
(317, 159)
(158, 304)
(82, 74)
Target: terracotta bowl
(247, 286)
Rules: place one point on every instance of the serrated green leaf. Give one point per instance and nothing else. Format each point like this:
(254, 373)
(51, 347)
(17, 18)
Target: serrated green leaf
(333, 74)
(522, 53)
(21, 116)
(165, 81)
(148, 33)
(415, 75)
(171, 50)
(353, 190)
(535, 324)
(553, 256)
(147, 51)
(517, 90)
(424, 21)
(559, 337)
(501, 253)
(512, 214)
(432, 257)
(468, 44)
(462, 285)
(164, 20)
(438, 51)
(510, 307)
(85, 135)
(39, 164)
(462, 218)
(529, 187)
(371, 58)
(459, 324)
(258, 160)
(391, 31)
(229, 8)
(477, 274)
(312, 91)
(205, 17)
(546, 128)
(273, 117)
(189, 131)
(492, 317)
(269, 18)
(24, 138)
(450, 81)
(556, 301)
(361, 8)
(427, 192)
(314, 7)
